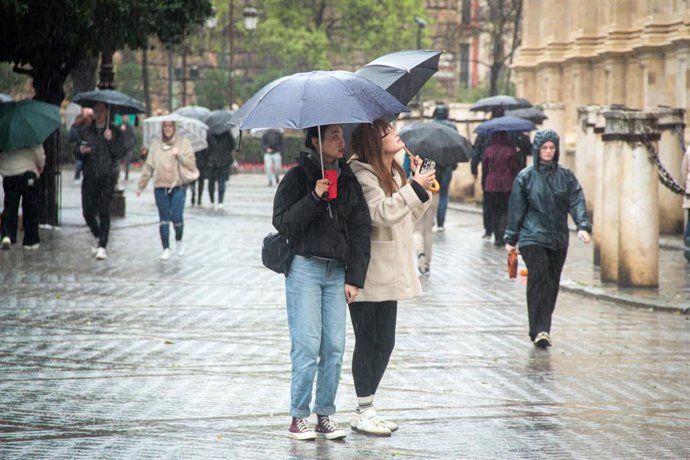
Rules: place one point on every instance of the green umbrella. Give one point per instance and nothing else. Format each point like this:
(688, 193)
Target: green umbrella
(26, 123)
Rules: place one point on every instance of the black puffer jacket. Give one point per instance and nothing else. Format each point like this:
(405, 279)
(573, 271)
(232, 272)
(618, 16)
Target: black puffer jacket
(543, 195)
(105, 156)
(339, 229)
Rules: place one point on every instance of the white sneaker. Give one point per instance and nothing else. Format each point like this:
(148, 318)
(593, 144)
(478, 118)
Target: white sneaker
(101, 254)
(369, 422)
(166, 254)
(220, 206)
(6, 242)
(32, 247)
(180, 248)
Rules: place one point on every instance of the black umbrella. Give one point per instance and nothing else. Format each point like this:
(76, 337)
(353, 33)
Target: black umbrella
(116, 101)
(506, 123)
(194, 111)
(533, 114)
(507, 102)
(219, 122)
(437, 142)
(402, 73)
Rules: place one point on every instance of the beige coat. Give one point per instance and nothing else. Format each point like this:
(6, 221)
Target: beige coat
(161, 162)
(685, 174)
(17, 162)
(392, 274)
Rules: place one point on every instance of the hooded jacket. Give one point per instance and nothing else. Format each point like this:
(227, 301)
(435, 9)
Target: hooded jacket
(543, 195)
(162, 164)
(339, 229)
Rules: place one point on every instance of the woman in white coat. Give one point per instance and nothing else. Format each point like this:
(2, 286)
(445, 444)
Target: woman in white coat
(394, 204)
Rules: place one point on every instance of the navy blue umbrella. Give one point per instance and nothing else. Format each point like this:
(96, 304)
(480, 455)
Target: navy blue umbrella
(316, 98)
(506, 123)
(534, 114)
(507, 102)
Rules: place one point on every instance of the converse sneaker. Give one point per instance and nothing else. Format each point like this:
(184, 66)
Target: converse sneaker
(326, 428)
(369, 422)
(101, 254)
(300, 429)
(6, 242)
(542, 340)
(180, 248)
(166, 254)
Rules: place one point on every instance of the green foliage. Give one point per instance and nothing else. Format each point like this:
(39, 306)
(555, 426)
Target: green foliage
(213, 89)
(251, 152)
(128, 78)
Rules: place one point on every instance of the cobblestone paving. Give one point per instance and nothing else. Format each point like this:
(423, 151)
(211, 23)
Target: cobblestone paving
(138, 358)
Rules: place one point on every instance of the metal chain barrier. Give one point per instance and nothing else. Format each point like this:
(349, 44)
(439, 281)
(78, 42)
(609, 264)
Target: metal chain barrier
(664, 176)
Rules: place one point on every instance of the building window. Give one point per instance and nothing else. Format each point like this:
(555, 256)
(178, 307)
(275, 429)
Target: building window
(464, 65)
(466, 12)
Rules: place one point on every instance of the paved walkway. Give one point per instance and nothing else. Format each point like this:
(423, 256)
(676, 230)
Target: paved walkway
(137, 358)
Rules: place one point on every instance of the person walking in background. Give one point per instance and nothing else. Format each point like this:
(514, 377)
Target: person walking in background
(330, 239)
(685, 175)
(480, 144)
(543, 195)
(128, 140)
(197, 187)
(272, 144)
(162, 162)
(394, 204)
(84, 119)
(100, 148)
(444, 173)
(20, 170)
(500, 165)
(218, 165)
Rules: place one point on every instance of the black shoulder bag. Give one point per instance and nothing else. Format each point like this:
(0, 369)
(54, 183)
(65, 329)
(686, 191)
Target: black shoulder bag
(277, 253)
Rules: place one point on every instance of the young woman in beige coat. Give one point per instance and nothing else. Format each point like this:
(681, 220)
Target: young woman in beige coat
(394, 204)
(162, 164)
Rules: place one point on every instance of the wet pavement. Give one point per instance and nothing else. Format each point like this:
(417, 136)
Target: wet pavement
(137, 358)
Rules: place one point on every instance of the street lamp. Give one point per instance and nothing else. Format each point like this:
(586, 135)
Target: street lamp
(250, 17)
(421, 24)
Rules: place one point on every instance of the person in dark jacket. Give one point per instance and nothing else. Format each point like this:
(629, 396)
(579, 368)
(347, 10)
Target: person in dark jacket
(101, 149)
(331, 242)
(480, 144)
(543, 195)
(218, 162)
(500, 165)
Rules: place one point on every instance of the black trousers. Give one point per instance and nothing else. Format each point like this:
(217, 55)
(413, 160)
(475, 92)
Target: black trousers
(374, 327)
(22, 187)
(96, 196)
(497, 203)
(544, 268)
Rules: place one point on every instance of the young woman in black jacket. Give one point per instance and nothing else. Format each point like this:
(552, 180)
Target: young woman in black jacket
(331, 241)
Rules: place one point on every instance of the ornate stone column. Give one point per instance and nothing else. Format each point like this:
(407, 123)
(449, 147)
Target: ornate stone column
(671, 126)
(630, 241)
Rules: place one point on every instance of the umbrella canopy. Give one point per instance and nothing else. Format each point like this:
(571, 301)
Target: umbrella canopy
(192, 129)
(402, 73)
(26, 123)
(316, 98)
(194, 111)
(219, 122)
(116, 101)
(533, 114)
(506, 123)
(507, 102)
(437, 142)
(5, 98)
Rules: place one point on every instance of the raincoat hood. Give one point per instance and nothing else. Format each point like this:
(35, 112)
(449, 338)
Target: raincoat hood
(540, 138)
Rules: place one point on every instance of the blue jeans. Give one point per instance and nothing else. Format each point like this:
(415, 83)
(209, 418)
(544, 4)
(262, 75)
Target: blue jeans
(316, 309)
(444, 174)
(170, 203)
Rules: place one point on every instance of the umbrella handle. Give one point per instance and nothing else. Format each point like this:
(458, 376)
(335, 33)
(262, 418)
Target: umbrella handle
(435, 187)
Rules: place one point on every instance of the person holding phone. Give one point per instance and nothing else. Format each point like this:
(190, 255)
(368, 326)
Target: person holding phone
(394, 204)
(330, 236)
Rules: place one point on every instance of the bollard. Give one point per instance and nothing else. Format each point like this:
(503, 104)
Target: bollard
(630, 183)
(117, 204)
(671, 151)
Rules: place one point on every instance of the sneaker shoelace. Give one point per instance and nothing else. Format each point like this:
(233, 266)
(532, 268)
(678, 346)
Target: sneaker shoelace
(327, 424)
(302, 425)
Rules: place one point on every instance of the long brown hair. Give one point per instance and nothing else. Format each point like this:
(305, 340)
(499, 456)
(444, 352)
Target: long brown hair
(367, 143)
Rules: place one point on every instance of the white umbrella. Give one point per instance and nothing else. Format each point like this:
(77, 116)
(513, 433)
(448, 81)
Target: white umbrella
(192, 129)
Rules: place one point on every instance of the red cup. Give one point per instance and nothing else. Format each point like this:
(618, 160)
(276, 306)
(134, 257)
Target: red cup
(332, 176)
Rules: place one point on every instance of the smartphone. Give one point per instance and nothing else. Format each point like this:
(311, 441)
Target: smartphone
(427, 165)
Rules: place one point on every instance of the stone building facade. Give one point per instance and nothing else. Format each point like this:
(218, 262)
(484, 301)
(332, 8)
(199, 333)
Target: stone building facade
(578, 52)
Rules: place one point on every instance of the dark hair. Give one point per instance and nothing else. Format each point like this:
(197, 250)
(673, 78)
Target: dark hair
(311, 132)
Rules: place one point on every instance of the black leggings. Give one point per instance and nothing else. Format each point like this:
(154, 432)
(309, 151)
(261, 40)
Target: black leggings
(544, 268)
(374, 326)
